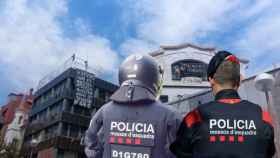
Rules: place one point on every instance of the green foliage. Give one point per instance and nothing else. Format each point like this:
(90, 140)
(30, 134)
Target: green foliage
(10, 150)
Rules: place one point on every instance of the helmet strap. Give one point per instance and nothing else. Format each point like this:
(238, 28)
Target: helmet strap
(130, 92)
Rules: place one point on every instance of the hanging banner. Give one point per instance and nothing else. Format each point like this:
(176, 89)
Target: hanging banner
(84, 88)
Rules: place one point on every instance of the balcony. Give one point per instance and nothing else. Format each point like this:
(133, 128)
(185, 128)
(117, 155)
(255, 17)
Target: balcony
(67, 117)
(75, 119)
(65, 143)
(98, 102)
(42, 124)
(69, 94)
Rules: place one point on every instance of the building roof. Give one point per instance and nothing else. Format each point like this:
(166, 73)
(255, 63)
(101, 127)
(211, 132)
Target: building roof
(15, 94)
(70, 72)
(22, 102)
(163, 48)
(210, 50)
(270, 70)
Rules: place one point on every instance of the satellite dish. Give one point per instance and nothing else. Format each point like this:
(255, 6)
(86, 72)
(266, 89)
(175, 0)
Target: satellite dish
(264, 82)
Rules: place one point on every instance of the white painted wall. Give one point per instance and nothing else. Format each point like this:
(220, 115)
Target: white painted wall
(14, 130)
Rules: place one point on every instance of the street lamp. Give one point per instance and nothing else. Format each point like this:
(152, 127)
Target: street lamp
(265, 82)
(33, 144)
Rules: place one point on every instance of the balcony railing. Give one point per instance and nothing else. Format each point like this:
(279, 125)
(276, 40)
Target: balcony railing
(65, 143)
(39, 125)
(52, 100)
(75, 119)
(67, 117)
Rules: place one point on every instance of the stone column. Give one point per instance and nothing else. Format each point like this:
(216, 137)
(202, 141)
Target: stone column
(68, 84)
(48, 113)
(68, 130)
(64, 104)
(60, 126)
(72, 109)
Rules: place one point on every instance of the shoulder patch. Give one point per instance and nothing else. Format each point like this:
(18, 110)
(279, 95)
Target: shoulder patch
(266, 117)
(192, 118)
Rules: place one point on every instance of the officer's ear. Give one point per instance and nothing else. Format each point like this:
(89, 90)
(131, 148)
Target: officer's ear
(241, 77)
(211, 80)
(240, 81)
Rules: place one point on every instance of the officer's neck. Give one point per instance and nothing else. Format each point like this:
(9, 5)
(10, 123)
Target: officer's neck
(217, 88)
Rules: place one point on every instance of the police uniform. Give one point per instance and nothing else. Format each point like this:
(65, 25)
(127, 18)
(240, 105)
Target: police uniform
(133, 125)
(225, 128)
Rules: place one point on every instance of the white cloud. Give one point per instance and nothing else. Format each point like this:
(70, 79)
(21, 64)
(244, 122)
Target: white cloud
(260, 43)
(177, 21)
(132, 45)
(258, 7)
(33, 42)
(251, 27)
(261, 37)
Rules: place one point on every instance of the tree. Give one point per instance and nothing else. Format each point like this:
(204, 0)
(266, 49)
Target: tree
(9, 150)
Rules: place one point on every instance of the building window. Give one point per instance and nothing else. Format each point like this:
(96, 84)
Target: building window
(52, 131)
(87, 112)
(60, 153)
(19, 120)
(102, 94)
(42, 116)
(56, 108)
(59, 89)
(78, 110)
(74, 131)
(68, 106)
(83, 130)
(14, 141)
(65, 129)
(4, 113)
(12, 98)
(189, 68)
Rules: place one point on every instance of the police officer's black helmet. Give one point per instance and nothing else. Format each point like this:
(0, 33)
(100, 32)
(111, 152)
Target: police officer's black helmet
(142, 71)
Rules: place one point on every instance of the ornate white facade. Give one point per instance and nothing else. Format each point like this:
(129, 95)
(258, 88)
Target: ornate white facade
(15, 130)
(185, 69)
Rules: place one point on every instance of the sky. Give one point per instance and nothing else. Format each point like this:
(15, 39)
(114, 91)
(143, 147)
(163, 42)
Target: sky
(37, 36)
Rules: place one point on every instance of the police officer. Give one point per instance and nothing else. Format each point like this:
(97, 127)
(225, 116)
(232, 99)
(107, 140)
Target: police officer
(134, 124)
(228, 127)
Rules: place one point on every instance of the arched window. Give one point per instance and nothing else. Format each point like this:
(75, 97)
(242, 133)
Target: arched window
(19, 120)
(189, 68)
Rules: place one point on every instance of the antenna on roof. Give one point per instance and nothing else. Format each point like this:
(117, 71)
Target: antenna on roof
(73, 57)
(73, 62)
(86, 65)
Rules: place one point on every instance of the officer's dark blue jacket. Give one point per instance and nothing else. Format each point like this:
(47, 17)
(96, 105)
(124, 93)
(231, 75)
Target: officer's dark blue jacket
(141, 128)
(225, 128)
